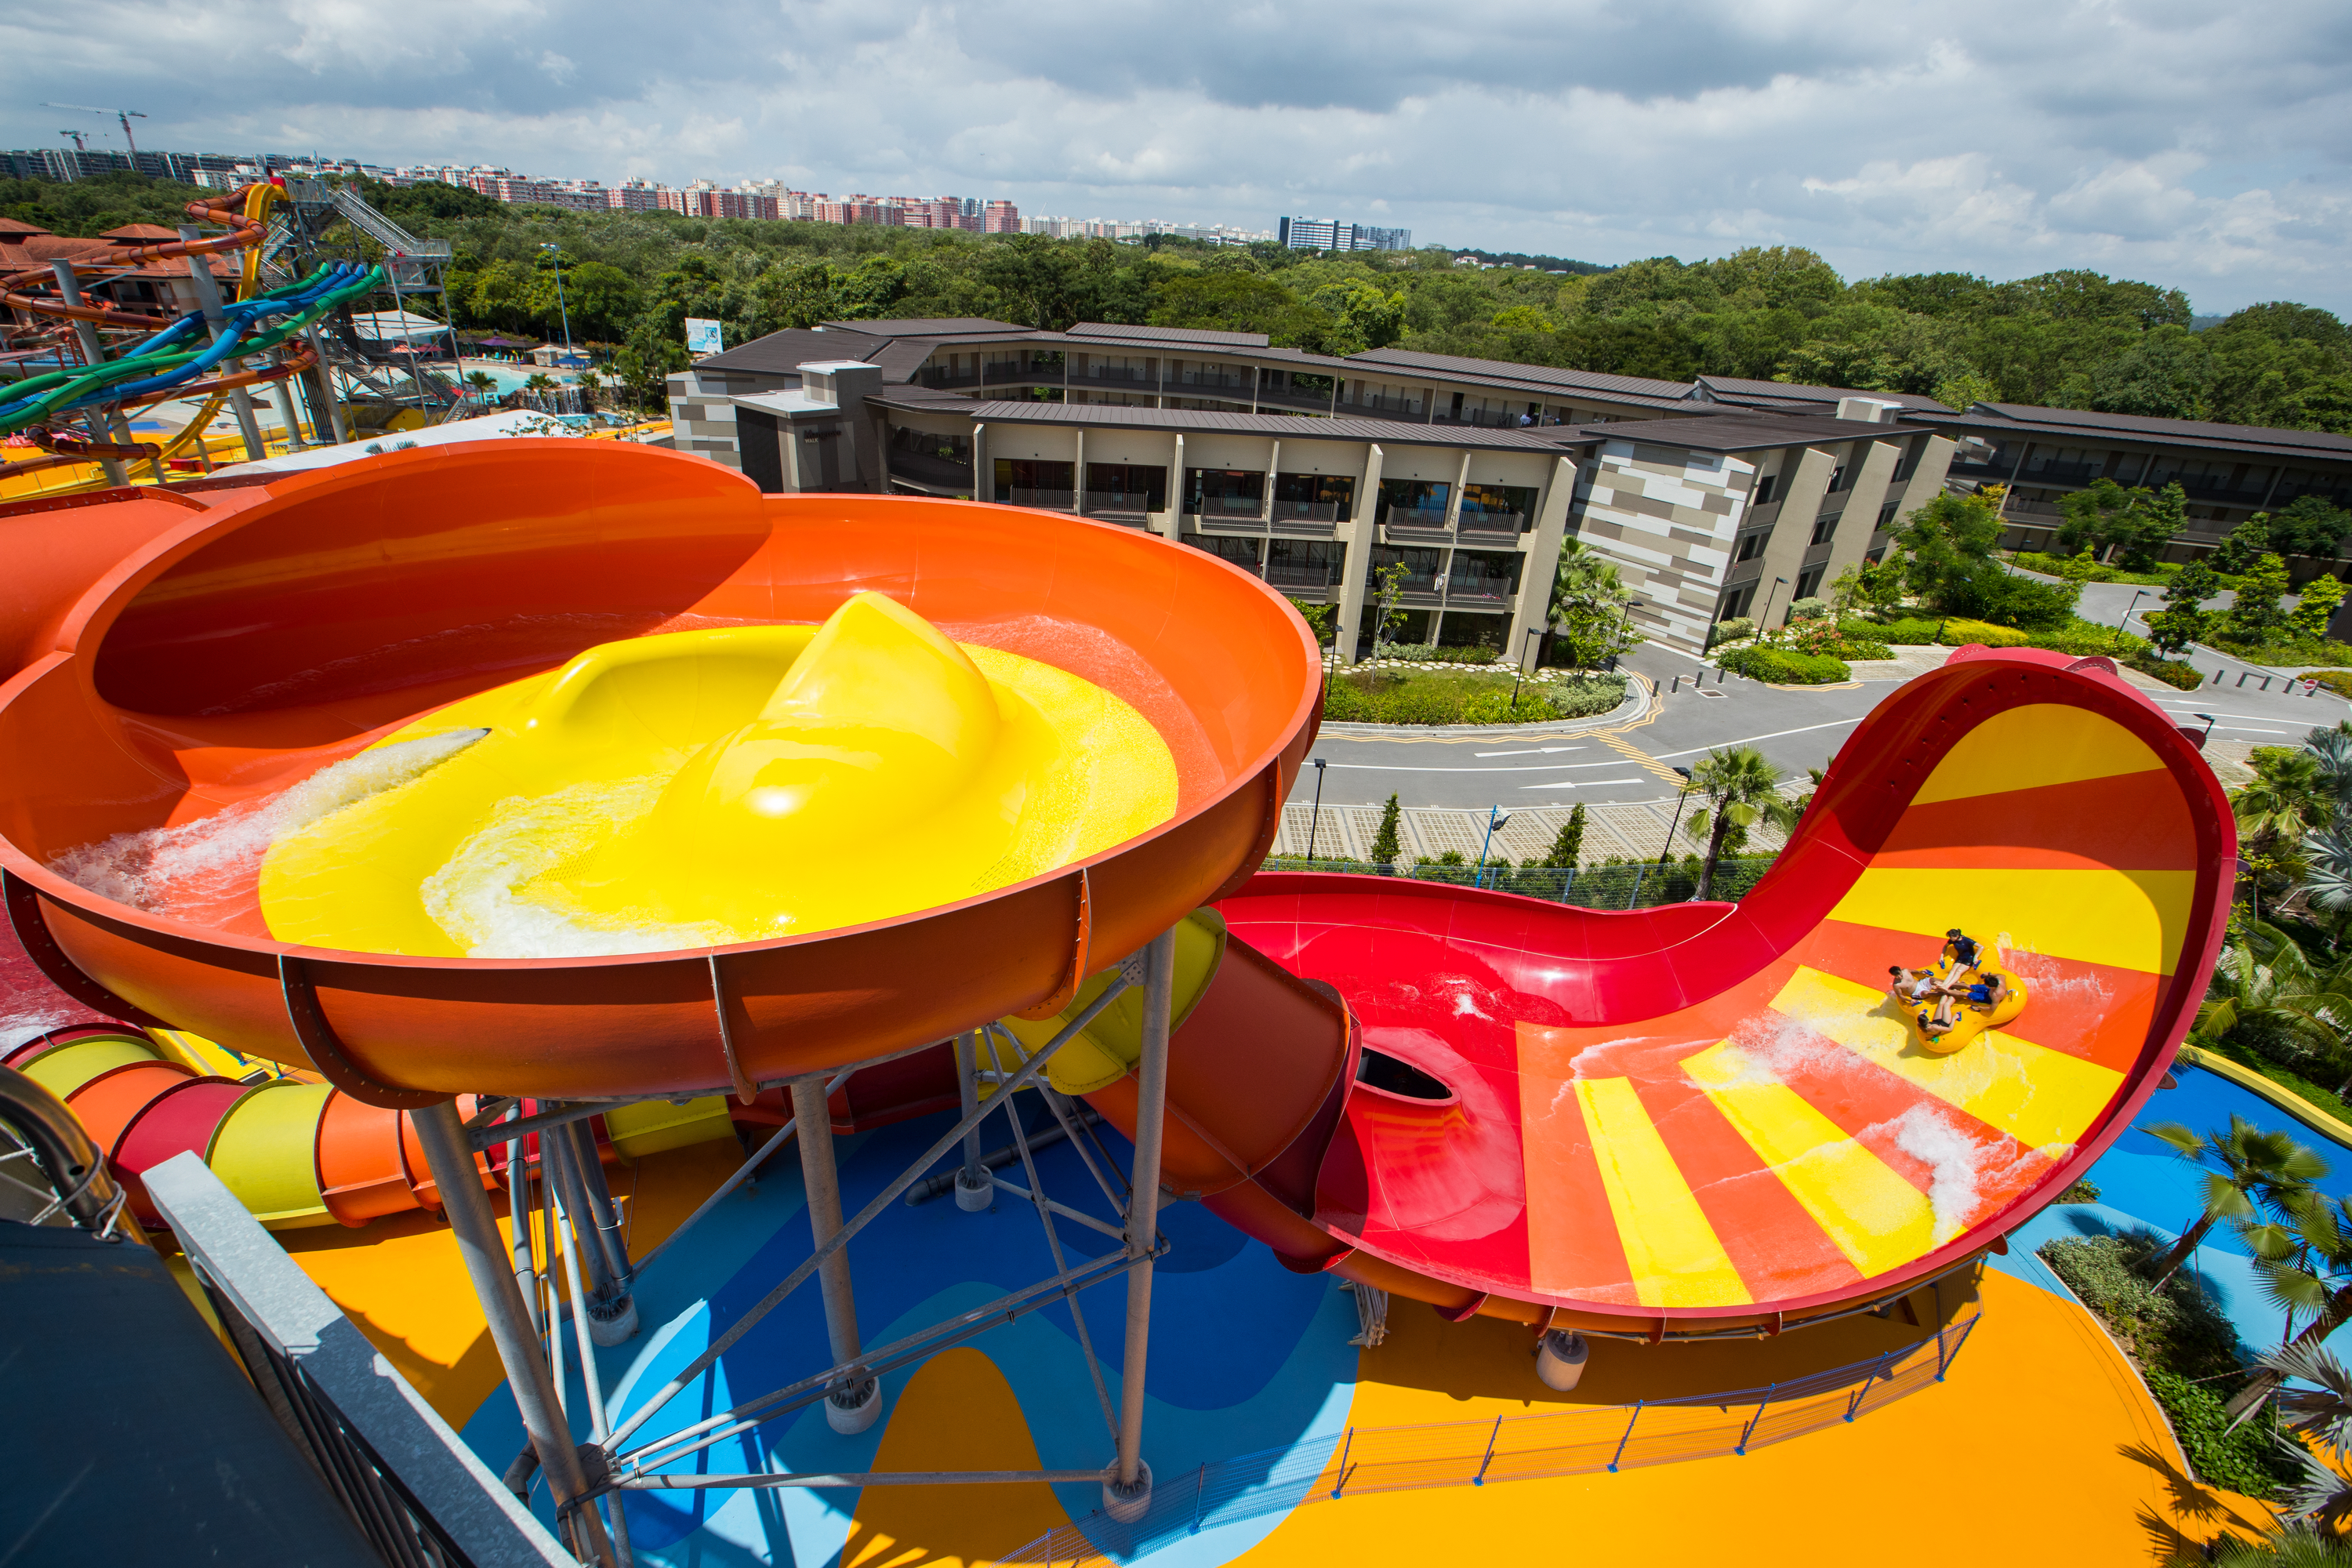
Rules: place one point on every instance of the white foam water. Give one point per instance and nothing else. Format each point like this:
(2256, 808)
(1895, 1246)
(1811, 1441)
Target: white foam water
(481, 896)
(156, 868)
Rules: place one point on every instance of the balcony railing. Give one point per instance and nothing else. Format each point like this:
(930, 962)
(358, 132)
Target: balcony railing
(1503, 522)
(1996, 467)
(1225, 506)
(1492, 419)
(1236, 389)
(1126, 502)
(1290, 397)
(1051, 500)
(2061, 473)
(1002, 374)
(1372, 407)
(923, 469)
(1308, 511)
(2018, 506)
(1416, 519)
(943, 379)
(1483, 593)
(1283, 576)
(1115, 375)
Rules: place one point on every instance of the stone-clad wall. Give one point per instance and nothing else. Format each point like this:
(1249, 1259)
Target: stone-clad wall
(1666, 516)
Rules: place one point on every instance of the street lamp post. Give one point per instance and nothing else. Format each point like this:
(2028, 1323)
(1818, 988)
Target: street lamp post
(1681, 796)
(2123, 625)
(1315, 821)
(563, 309)
(1495, 817)
(1763, 622)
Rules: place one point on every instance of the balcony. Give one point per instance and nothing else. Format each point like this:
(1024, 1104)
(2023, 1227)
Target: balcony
(2060, 473)
(916, 467)
(1995, 466)
(1049, 501)
(945, 379)
(1007, 374)
(1491, 524)
(1118, 504)
(1377, 407)
(1233, 389)
(1115, 375)
(2017, 506)
(1282, 575)
(1484, 594)
(1287, 397)
(1489, 418)
(1416, 523)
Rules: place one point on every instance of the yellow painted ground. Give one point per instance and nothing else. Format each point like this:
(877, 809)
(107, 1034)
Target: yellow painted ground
(2040, 1447)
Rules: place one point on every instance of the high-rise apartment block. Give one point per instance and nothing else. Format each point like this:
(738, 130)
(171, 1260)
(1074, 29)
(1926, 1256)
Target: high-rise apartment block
(1330, 234)
(1003, 218)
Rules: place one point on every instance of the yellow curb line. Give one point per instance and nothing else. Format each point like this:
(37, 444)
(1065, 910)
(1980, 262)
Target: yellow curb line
(2278, 1094)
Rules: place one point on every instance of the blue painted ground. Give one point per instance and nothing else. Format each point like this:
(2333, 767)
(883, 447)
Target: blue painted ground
(1243, 1354)
(2143, 1185)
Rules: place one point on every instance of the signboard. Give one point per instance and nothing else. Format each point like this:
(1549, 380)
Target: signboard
(702, 337)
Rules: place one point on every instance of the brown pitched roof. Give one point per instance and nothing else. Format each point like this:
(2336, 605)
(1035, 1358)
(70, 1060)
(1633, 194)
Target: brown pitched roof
(140, 234)
(16, 229)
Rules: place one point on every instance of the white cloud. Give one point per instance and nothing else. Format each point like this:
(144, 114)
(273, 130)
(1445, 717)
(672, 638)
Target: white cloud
(2153, 138)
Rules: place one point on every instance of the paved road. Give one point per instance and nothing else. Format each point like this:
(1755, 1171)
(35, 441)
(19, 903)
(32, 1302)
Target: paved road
(1794, 729)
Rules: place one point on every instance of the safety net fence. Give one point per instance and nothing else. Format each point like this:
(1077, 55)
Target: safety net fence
(1336, 1466)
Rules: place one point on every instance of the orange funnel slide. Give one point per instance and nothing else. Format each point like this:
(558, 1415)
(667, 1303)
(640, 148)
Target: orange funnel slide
(1708, 1118)
(284, 627)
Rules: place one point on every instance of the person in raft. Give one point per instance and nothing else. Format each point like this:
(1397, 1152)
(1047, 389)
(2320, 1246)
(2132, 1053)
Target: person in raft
(1962, 951)
(1913, 986)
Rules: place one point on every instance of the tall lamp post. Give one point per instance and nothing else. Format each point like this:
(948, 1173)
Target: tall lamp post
(1681, 796)
(1315, 821)
(1763, 622)
(563, 309)
(1495, 817)
(2123, 625)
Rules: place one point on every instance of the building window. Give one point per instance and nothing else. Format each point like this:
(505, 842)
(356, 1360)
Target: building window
(1764, 491)
(1022, 482)
(1735, 603)
(1314, 498)
(1826, 528)
(1751, 545)
(1885, 517)
(1224, 492)
(1126, 486)
(1304, 563)
(1478, 578)
(1412, 503)
(1241, 552)
(1806, 581)
(1837, 479)
(928, 457)
(1499, 509)
(1420, 569)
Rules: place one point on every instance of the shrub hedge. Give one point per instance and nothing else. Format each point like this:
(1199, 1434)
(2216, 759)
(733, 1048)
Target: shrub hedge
(1456, 699)
(1429, 653)
(1784, 666)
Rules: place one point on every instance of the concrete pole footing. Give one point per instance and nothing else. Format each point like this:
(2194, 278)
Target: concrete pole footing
(612, 1322)
(1127, 1504)
(974, 1197)
(1560, 1359)
(850, 1411)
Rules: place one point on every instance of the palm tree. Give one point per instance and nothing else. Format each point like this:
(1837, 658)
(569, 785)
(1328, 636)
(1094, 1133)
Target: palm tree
(2268, 980)
(540, 382)
(2290, 796)
(1741, 787)
(2248, 1164)
(1588, 600)
(483, 383)
(2304, 1258)
(2292, 1546)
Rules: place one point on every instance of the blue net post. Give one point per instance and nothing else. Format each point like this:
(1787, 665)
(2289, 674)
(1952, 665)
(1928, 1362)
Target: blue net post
(1750, 1430)
(1480, 1479)
(1853, 1406)
(1346, 1445)
(1625, 1439)
(1199, 1485)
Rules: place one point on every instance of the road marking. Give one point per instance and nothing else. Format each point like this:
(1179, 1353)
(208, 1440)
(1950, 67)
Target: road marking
(1775, 735)
(2248, 729)
(2266, 717)
(1588, 783)
(1538, 768)
(1539, 752)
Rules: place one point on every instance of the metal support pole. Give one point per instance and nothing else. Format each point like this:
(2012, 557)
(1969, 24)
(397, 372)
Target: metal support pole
(855, 1402)
(200, 275)
(94, 354)
(1126, 1492)
(451, 1159)
(1629, 1432)
(973, 1192)
(1750, 1430)
(612, 1308)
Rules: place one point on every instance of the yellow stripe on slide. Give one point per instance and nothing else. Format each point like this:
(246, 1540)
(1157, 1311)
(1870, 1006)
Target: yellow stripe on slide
(2027, 748)
(2038, 1096)
(1878, 1220)
(1673, 1252)
(2125, 919)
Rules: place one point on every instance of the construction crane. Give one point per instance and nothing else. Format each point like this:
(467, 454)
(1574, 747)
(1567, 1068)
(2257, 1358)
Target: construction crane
(124, 115)
(79, 146)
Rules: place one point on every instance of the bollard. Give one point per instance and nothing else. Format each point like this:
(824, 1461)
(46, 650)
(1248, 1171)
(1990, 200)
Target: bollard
(2266, 683)
(2242, 676)
(1677, 686)
(2218, 675)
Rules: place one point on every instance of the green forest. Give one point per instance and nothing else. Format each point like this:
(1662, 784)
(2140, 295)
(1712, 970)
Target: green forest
(2071, 339)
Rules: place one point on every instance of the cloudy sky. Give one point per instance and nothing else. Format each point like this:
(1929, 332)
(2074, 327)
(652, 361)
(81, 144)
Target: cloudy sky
(2193, 144)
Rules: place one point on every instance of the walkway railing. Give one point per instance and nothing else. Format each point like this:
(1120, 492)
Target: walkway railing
(1599, 1438)
(1642, 886)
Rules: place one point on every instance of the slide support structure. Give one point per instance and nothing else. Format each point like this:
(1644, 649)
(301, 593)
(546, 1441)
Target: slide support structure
(208, 299)
(1127, 1490)
(974, 1193)
(596, 1230)
(85, 332)
(854, 1403)
(487, 1263)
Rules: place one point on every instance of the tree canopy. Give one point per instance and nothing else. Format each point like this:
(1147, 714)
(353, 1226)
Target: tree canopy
(2071, 338)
